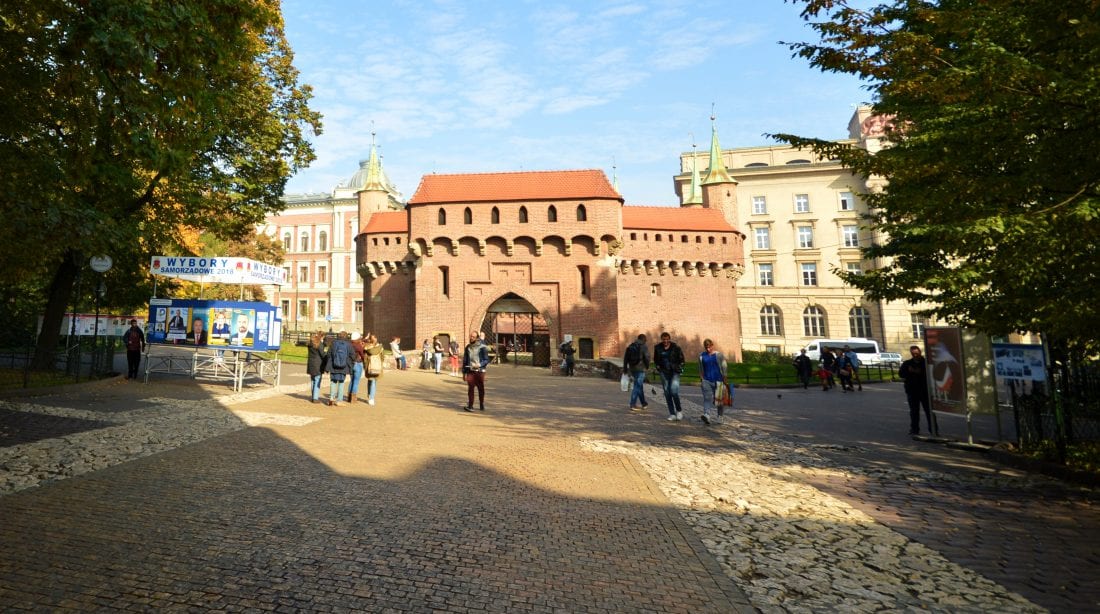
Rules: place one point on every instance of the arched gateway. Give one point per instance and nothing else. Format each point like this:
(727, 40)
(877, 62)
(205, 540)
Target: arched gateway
(517, 332)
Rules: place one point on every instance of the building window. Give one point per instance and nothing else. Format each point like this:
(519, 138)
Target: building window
(859, 322)
(523, 215)
(809, 274)
(633, 236)
(806, 237)
(494, 216)
(552, 214)
(322, 274)
(658, 237)
(683, 238)
(801, 203)
(847, 201)
(304, 244)
(303, 274)
(770, 321)
(917, 325)
(322, 241)
(357, 311)
(285, 306)
(710, 240)
(771, 349)
(286, 241)
(766, 274)
(759, 205)
(813, 322)
(850, 232)
(854, 268)
(289, 277)
(445, 280)
(763, 238)
(655, 289)
(583, 270)
(442, 217)
(303, 309)
(322, 309)
(582, 213)
(467, 216)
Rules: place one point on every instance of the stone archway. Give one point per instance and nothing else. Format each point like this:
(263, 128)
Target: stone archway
(516, 332)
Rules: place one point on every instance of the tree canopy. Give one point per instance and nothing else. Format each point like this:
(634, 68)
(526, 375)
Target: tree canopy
(124, 122)
(990, 175)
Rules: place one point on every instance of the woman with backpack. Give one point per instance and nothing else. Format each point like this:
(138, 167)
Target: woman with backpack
(357, 346)
(372, 359)
(339, 366)
(315, 364)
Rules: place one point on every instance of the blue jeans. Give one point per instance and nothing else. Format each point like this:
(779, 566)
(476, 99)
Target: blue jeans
(637, 393)
(336, 391)
(709, 389)
(438, 361)
(401, 364)
(670, 382)
(356, 375)
(315, 387)
(372, 385)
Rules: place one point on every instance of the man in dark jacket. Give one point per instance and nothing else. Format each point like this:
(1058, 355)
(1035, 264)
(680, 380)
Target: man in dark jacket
(804, 367)
(669, 360)
(475, 359)
(636, 363)
(134, 340)
(914, 373)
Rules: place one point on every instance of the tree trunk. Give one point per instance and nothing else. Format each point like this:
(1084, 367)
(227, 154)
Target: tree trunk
(57, 302)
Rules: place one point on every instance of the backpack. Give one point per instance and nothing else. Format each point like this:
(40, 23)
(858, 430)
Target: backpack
(633, 355)
(374, 364)
(340, 355)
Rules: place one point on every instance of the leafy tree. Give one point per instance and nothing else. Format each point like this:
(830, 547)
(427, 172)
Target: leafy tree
(259, 247)
(123, 122)
(990, 178)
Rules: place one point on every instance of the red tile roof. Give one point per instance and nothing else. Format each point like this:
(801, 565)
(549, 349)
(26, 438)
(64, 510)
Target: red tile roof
(675, 218)
(388, 221)
(523, 185)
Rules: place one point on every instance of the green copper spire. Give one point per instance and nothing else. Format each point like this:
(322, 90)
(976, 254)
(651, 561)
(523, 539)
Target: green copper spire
(717, 171)
(695, 193)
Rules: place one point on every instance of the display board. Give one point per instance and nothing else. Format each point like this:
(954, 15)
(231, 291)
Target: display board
(238, 325)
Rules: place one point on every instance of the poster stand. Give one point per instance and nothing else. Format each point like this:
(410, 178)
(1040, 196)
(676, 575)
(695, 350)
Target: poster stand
(237, 367)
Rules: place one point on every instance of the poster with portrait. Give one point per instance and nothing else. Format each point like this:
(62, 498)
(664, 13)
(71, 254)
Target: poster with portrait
(199, 328)
(178, 323)
(220, 326)
(243, 322)
(1019, 369)
(945, 368)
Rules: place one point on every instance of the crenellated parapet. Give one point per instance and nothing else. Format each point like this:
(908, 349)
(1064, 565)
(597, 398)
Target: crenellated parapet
(679, 268)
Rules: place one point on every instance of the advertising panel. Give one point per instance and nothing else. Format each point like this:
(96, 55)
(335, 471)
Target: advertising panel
(220, 324)
(1019, 368)
(945, 362)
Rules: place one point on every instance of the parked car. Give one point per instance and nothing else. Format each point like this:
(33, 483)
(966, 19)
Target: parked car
(885, 359)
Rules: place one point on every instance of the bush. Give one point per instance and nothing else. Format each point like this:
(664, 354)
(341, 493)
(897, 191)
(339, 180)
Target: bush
(764, 358)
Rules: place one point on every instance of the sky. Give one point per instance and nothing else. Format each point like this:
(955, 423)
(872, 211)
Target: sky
(624, 86)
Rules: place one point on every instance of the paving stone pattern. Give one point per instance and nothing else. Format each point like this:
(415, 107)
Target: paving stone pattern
(555, 499)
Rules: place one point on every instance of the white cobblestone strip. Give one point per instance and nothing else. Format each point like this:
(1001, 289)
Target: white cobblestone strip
(794, 548)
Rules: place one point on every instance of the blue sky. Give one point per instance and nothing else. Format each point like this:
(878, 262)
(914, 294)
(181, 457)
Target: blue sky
(487, 86)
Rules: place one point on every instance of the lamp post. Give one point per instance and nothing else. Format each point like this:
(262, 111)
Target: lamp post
(100, 293)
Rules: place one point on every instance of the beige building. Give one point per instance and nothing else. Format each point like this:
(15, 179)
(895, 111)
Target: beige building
(804, 220)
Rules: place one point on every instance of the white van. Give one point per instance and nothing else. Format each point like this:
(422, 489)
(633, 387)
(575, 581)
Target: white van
(864, 348)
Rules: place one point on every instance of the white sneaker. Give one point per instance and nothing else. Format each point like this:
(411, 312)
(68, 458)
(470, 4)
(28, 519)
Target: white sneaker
(706, 419)
(370, 402)
(679, 415)
(672, 417)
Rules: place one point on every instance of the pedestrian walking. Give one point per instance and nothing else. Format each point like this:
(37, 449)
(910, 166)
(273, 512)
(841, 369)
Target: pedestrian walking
(339, 367)
(669, 360)
(567, 351)
(475, 359)
(636, 363)
(854, 364)
(134, 340)
(357, 346)
(914, 374)
(315, 364)
(454, 355)
(373, 366)
(828, 363)
(804, 367)
(437, 354)
(712, 376)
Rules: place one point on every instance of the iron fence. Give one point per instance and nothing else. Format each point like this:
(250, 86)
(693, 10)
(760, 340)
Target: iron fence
(1064, 413)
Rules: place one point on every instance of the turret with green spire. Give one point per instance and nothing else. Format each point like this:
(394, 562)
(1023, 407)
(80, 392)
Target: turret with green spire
(719, 189)
(694, 196)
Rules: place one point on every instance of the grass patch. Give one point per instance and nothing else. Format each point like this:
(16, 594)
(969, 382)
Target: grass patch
(1081, 456)
(761, 374)
(12, 379)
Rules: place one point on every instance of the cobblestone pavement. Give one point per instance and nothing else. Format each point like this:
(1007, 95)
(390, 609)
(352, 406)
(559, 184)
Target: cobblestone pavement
(555, 499)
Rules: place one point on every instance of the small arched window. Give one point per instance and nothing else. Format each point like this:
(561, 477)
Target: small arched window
(442, 217)
(859, 322)
(494, 217)
(582, 213)
(304, 242)
(552, 214)
(286, 241)
(467, 216)
(322, 241)
(523, 215)
(813, 322)
(770, 321)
